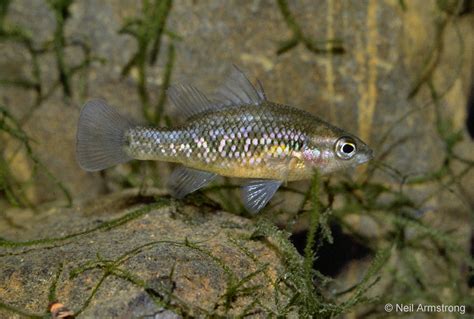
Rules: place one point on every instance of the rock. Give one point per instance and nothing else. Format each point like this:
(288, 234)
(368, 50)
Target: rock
(135, 256)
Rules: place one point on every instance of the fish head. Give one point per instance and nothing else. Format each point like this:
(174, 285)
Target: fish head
(332, 149)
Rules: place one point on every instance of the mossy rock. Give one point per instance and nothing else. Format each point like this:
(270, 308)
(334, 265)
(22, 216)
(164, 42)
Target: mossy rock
(137, 256)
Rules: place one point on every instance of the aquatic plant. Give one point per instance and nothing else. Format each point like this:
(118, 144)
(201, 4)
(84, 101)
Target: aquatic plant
(322, 46)
(13, 189)
(15, 33)
(148, 30)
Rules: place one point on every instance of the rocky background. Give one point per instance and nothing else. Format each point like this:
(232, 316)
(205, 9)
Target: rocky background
(399, 230)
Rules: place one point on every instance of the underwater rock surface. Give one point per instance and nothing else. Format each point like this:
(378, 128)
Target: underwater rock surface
(120, 258)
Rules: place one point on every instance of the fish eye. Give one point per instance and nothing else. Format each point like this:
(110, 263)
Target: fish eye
(345, 148)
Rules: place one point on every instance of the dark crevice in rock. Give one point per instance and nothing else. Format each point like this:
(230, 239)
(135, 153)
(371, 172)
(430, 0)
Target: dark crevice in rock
(332, 258)
(470, 111)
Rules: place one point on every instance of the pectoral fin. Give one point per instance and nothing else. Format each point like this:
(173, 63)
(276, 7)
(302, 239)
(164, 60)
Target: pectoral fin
(257, 193)
(186, 180)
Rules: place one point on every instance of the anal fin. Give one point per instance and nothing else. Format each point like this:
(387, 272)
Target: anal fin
(257, 193)
(185, 180)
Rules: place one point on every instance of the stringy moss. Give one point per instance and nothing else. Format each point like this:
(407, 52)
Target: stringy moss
(13, 190)
(308, 300)
(61, 12)
(66, 71)
(102, 227)
(163, 298)
(9, 185)
(148, 30)
(20, 312)
(327, 46)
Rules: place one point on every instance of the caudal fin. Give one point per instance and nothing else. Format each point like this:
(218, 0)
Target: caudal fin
(100, 137)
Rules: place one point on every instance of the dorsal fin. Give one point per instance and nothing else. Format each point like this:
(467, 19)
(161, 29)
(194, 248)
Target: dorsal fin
(189, 100)
(237, 90)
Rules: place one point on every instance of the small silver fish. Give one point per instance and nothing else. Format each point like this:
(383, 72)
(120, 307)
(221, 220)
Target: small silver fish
(235, 132)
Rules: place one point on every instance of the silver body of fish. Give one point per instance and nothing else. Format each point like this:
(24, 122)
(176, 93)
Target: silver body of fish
(234, 132)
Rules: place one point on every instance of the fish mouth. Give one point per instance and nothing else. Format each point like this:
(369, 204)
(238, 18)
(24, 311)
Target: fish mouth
(365, 157)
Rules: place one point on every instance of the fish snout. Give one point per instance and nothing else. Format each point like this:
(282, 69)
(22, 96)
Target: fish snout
(365, 156)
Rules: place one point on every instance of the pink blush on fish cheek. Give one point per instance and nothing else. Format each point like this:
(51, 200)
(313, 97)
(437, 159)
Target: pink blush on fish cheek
(311, 155)
(315, 157)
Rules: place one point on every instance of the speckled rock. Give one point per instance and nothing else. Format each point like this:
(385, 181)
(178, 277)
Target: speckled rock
(129, 256)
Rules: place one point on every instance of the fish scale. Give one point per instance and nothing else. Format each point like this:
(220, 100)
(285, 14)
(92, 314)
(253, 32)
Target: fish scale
(243, 141)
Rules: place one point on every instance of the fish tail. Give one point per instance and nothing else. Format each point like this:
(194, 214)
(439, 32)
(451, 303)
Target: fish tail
(101, 137)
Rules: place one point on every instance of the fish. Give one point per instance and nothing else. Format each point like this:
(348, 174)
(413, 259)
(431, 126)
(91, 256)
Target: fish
(235, 132)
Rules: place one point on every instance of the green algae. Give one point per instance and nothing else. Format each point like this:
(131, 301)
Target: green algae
(317, 47)
(162, 298)
(105, 226)
(9, 184)
(148, 31)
